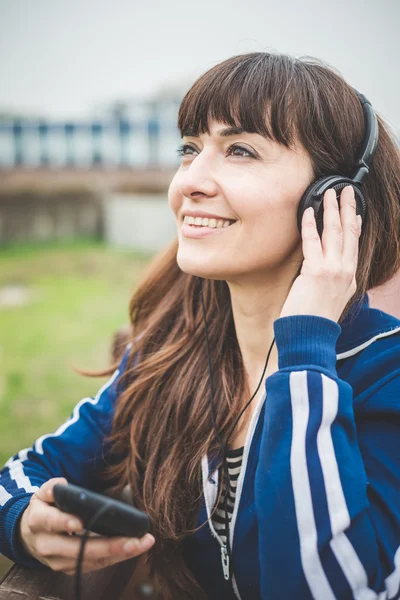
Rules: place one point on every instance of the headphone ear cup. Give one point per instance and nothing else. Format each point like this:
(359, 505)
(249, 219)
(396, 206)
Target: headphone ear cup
(314, 195)
(361, 205)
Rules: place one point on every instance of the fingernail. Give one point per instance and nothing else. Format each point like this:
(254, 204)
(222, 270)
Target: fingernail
(74, 524)
(148, 540)
(131, 546)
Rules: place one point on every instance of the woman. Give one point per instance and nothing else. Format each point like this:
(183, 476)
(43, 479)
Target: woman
(314, 461)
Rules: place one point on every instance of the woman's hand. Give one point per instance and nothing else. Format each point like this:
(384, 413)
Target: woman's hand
(44, 529)
(328, 275)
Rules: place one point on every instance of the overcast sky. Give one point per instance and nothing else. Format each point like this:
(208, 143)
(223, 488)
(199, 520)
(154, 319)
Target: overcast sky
(66, 57)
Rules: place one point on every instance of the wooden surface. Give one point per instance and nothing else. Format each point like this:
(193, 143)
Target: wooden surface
(119, 582)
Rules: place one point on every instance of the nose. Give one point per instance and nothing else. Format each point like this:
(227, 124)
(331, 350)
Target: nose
(198, 178)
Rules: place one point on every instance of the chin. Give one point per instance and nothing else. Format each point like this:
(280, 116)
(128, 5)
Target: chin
(200, 268)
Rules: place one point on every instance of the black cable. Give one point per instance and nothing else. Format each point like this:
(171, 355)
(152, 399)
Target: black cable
(79, 561)
(222, 445)
(258, 387)
(145, 590)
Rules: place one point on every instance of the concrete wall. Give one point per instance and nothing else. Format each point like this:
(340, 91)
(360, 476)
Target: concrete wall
(140, 221)
(27, 216)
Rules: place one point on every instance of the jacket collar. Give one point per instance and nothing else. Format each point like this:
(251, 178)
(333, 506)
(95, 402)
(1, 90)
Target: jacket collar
(362, 326)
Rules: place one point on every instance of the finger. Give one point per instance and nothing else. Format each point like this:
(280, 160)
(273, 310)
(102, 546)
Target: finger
(102, 548)
(351, 227)
(89, 565)
(47, 518)
(101, 563)
(332, 235)
(45, 492)
(312, 248)
(69, 567)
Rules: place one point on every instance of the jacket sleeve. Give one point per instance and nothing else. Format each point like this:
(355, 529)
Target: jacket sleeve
(327, 493)
(74, 451)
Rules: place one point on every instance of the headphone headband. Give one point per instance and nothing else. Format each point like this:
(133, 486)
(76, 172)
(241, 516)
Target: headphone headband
(314, 194)
(370, 140)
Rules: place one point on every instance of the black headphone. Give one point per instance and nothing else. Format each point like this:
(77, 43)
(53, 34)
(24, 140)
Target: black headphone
(314, 194)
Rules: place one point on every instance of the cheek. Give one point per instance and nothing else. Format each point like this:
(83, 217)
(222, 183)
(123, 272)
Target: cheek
(256, 200)
(248, 197)
(174, 197)
(267, 211)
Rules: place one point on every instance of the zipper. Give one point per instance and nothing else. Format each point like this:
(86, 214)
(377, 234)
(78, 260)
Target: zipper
(225, 561)
(210, 493)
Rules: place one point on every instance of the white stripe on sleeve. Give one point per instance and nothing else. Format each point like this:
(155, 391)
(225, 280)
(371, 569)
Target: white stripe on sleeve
(393, 580)
(75, 415)
(15, 466)
(339, 516)
(17, 473)
(337, 507)
(4, 496)
(310, 559)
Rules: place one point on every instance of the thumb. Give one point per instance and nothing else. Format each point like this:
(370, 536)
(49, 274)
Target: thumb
(45, 492)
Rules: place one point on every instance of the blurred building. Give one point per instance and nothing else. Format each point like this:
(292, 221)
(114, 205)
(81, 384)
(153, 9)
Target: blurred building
(136, 133)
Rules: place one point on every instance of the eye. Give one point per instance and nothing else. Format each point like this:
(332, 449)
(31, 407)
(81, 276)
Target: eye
(235, 149)
(187, 150)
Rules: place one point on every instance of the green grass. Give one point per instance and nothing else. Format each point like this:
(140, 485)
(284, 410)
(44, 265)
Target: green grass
(79, 298)
(79, 294)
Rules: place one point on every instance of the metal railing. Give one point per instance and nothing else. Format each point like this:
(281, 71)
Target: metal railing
(149, 142)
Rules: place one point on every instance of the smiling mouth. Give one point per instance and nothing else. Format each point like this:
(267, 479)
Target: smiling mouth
(199, 222)
(224, 226)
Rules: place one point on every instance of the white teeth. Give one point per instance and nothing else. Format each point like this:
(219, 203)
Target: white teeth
(200, 222)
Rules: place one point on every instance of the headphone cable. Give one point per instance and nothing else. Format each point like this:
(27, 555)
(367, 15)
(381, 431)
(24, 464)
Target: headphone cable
(84, 538)
(217, 435)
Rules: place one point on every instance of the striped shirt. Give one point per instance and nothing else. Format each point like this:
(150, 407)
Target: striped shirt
(234, 460)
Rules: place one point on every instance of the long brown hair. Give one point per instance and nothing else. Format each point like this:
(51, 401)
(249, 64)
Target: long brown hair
(162, 423)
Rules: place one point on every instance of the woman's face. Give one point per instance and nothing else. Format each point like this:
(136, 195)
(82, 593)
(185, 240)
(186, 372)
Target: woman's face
(251, 183)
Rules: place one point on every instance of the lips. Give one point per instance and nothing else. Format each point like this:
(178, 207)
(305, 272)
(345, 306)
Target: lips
(204, 215)
(201, 231)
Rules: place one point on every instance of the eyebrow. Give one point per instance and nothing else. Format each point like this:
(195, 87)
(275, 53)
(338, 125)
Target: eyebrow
(228, 131)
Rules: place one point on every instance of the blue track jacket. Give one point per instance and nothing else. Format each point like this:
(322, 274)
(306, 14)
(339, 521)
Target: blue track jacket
(317, 512)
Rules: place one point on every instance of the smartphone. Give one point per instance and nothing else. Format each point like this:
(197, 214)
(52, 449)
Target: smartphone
(119, 518)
